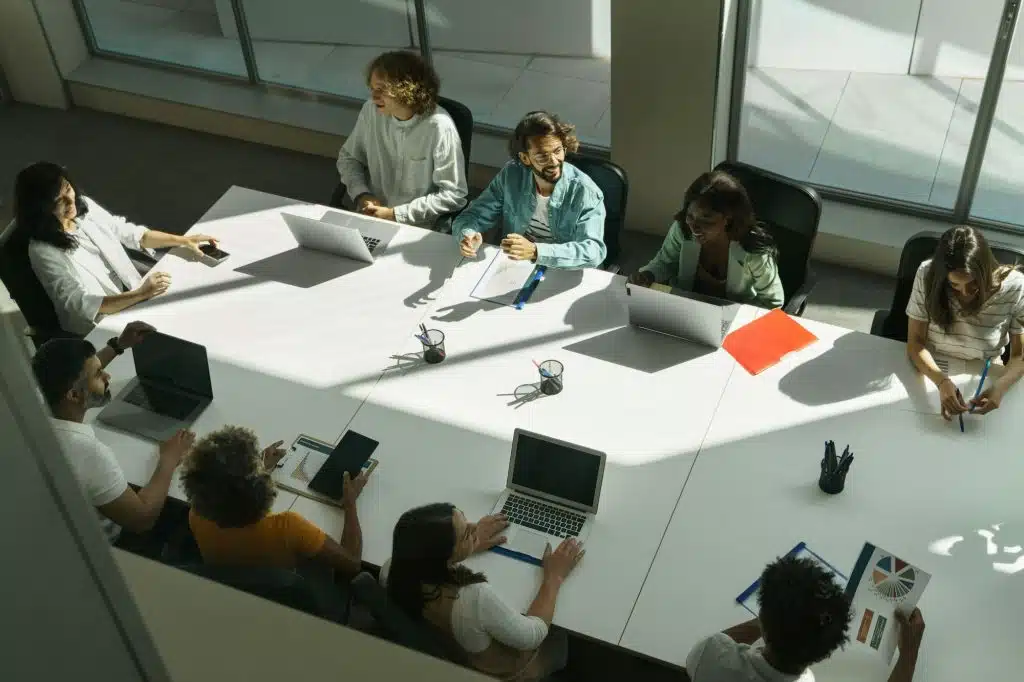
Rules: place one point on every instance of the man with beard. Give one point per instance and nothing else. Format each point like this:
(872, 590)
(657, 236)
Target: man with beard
(551, 212)
(71, 378)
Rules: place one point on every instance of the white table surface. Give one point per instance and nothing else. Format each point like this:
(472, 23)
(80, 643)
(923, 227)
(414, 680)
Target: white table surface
(445, 431)
(752, 495)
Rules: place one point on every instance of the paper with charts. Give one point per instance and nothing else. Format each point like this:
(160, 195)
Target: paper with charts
(503, 280)
(882, 583)
(304, 459)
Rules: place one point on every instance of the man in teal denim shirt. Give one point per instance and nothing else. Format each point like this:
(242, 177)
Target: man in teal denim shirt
(552, 213)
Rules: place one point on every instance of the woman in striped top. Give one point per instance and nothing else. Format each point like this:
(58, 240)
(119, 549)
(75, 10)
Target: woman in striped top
(965, 304)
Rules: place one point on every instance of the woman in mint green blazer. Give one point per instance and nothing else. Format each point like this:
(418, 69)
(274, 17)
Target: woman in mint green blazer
(716, 247)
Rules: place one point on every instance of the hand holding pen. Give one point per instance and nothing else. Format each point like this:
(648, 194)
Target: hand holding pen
(984, 401)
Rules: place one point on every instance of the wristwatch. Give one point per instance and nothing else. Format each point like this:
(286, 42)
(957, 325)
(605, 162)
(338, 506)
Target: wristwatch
(115, 346)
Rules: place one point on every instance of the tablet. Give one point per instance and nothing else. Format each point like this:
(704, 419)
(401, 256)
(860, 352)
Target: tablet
(351, 453)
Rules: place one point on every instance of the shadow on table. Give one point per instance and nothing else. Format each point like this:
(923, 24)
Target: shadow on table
(638, 349)
(851, 369)
(302, 268)
(556, 282)
(423, 254)
(173, 296)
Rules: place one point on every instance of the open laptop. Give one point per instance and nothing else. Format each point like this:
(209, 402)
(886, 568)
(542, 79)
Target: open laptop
(171, 388)
(552, 492)
(683, 314)
(342, 234)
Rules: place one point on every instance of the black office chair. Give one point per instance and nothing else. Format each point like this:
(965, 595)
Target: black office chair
(281, 586)
(791, 212)
(24, 287)
(614, 183)
(396, 626)
(892, 323)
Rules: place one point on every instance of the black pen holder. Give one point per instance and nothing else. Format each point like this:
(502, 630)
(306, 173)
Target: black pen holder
(832, 484)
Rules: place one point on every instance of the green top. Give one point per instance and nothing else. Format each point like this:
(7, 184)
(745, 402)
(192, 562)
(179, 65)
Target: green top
(752, 277)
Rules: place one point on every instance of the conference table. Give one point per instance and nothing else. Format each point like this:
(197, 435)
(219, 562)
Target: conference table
(711, 471)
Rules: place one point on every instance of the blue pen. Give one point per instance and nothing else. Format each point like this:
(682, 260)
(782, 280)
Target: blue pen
(961, 415)
(984, 373)
(529, 287)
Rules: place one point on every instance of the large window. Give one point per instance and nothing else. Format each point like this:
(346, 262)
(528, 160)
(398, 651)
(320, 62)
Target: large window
(499, 58)
(880, 98)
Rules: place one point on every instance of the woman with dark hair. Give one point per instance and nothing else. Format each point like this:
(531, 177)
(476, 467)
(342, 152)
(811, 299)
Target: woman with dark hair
(76, 248)
(716, 247)
(425, 579)
(965, 304)
(227, 480)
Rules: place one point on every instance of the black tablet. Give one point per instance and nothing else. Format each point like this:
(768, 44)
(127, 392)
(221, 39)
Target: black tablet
(348, 455)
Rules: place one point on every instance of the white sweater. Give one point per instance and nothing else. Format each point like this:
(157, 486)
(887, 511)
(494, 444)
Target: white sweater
(413, 166)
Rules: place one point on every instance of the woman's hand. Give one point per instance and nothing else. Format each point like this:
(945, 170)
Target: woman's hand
(558, 564)
(273, 454)
(951, 401)
(488, 532)
(989, 400)
(154, 285)
(192, 242)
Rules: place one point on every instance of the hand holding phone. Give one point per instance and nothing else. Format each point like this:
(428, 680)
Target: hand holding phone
(213, 252)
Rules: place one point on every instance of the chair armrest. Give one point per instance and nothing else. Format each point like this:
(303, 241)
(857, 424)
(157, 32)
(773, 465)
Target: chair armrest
(878, 322)
(798, 301)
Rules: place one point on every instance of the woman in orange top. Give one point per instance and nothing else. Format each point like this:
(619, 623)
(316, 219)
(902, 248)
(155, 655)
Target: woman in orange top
(228, 483)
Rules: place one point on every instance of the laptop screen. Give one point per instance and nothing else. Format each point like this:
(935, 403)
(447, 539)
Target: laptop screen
(170, 361)
(557, 470)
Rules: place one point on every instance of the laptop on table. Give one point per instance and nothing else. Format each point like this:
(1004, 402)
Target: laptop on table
(683, 314)
(170, 390)
(342, 234)
(552, 492)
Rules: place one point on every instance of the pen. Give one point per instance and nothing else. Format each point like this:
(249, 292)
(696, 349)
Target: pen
(981, 383)
(961, 415)
(543, 372)
(423, 339)
(423, 328)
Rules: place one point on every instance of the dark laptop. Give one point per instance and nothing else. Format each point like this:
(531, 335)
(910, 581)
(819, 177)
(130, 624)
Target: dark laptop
(171, 388)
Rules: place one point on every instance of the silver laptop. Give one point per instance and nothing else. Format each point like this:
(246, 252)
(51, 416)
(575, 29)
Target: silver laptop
(553, 491)
(170, 390)
(342, 234)
(683, 314)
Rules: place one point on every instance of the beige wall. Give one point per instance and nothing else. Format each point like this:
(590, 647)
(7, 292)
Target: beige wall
(664, 70)
(26, 58)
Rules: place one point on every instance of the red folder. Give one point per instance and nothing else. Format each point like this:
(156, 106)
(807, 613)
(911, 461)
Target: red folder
(762, 343)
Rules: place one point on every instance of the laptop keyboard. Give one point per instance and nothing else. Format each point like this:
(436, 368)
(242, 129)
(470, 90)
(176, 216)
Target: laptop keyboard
(371, 243)
(166, 403)
(526, 511)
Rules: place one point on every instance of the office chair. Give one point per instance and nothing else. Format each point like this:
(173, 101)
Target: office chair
(396, 626)
(24, 287)
(892, 323)
(281, 586)
(614, 183)
(791, 212)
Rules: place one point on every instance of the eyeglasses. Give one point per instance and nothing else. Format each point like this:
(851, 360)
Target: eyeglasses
(547, 157)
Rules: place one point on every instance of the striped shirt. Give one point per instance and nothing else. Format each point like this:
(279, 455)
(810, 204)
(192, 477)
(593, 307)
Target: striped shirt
(979, 336)
(538, 231)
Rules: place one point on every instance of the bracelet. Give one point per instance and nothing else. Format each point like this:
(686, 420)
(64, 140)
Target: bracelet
(115, 345)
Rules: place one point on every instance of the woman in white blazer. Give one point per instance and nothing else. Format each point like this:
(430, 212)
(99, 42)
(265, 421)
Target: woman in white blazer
(76, 249)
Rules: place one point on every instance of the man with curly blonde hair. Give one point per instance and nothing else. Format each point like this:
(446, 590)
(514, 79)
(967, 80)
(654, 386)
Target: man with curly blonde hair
(403, 160)
(551, 212)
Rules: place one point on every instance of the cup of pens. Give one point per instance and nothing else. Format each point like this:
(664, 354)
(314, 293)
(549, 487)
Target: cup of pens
(550, 376)
(433, 345)
(834, 469)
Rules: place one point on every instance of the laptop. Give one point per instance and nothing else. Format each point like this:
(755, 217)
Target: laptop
(342, 234)
(170, 389)
(552, 493)
(683, 314)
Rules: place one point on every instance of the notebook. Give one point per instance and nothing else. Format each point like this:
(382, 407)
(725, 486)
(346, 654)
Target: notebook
(762, 343)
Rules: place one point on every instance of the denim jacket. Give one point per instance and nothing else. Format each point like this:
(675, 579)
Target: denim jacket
(575, 214)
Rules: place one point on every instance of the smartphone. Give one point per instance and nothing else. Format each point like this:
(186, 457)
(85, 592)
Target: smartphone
(349, 455)
(213, 252)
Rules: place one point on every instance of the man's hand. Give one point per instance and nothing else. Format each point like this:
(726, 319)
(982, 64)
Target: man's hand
(174, 449)
(133, 333)
(519, 247)
(951, 400)
(911, 632)
(272, 455)
(382, 212)
(192, 242)
(643, 278)
(365, 200)
(469, 244)
(488, 532)
(989, 400)
(351, 487)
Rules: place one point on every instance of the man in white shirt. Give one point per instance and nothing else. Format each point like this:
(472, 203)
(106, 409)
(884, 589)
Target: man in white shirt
(71, 378)
(804, 618)
(403, 161)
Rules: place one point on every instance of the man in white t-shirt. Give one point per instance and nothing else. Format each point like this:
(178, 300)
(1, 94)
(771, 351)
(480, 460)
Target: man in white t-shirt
(804, 618)
(71, 378)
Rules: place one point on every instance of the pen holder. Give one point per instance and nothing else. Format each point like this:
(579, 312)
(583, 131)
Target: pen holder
(551, 377)
(433, 346)
(832, 484)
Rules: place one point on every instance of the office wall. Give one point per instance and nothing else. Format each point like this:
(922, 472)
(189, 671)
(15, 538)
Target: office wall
(25, 56)
(664, 74)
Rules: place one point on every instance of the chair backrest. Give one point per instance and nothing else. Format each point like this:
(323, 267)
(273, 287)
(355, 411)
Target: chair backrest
(614, 184)
(24, 287)
(279, 585)
(917, 250)
(791, 211)
(396, 625)
(463, 119)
